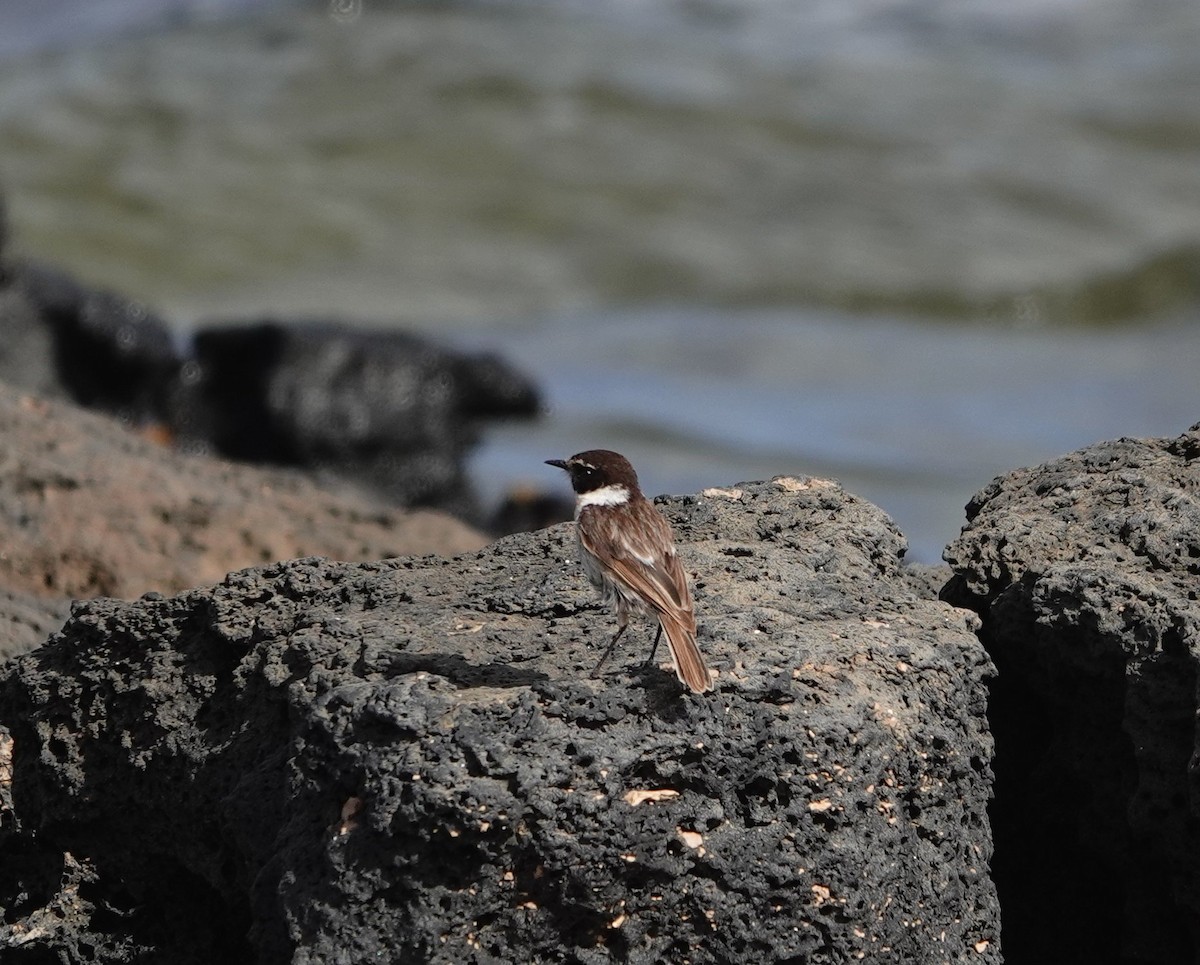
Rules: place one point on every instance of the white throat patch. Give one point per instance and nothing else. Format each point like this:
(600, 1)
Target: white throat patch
(612, 495)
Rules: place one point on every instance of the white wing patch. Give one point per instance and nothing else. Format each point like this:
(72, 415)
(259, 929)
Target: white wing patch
(645, 554)
(638, 553)
(656, 571)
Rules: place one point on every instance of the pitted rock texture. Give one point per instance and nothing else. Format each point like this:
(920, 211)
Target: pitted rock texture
(1086, 571)
(409, 760)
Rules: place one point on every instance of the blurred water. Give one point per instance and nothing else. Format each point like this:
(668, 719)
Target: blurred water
(28, 26)
(910, 245)
(913, 417)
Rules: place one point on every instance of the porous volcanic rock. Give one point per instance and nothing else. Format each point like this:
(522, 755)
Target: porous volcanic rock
(409, 760)
(1086, 571)
(88, 508)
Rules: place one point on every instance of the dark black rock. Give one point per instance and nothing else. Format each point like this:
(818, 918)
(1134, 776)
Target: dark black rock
(389, 409)
(105, 351)
(1086, 571)
(408, 760)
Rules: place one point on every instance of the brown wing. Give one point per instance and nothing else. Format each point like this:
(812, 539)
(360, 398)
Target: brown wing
(640, 550)
(641, 554)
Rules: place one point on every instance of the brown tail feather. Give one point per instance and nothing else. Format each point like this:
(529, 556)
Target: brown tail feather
(680, 632)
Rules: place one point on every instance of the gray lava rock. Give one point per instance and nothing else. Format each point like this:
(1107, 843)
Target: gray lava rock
(1086, 571)
(409, 760)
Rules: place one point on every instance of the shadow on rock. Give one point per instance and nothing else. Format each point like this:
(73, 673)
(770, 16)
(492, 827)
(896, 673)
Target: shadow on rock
(461, 672)
(1085, 571)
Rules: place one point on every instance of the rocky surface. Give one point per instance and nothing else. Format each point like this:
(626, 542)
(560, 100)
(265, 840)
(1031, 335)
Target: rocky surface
(409, 761)
(1086, 571)
(88, 508)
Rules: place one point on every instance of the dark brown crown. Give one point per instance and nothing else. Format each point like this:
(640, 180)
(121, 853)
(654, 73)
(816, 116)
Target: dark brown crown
(595, 468)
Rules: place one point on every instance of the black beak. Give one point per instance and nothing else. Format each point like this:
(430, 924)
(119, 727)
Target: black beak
(561, 463)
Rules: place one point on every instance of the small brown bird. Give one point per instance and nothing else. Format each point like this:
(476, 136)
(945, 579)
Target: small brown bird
(628, 554)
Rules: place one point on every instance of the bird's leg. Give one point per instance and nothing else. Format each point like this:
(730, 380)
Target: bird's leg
(654, 647)
(612, 645)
